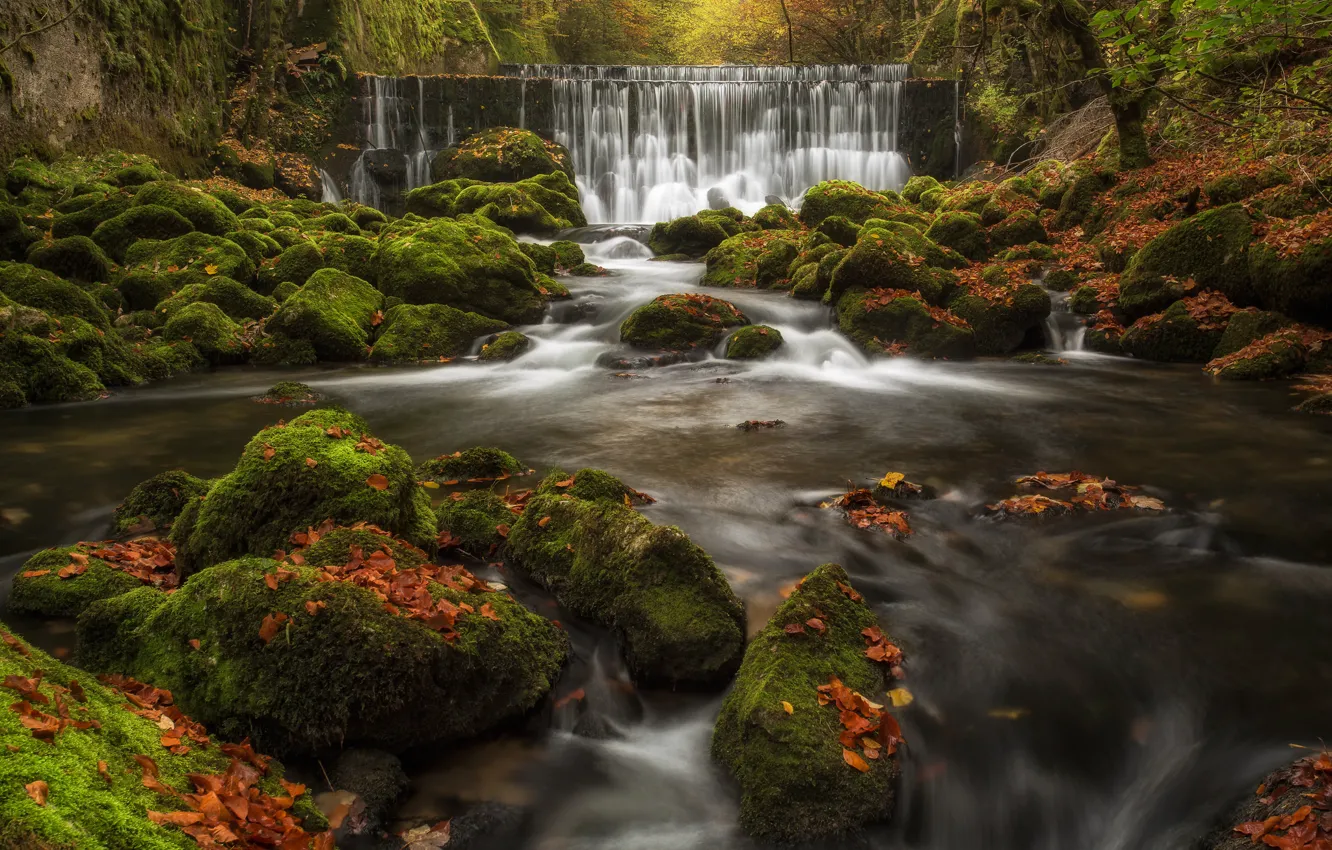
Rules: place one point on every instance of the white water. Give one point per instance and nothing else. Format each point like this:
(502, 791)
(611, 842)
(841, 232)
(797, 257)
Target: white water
(393, 133)
(649, 143)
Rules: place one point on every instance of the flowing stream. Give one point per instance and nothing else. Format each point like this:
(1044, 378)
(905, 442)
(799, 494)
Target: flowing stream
(1103, 682)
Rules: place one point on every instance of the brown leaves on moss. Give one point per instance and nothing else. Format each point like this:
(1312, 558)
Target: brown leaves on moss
(42, 725)
(268, 629)
(862, 511)
(879, 648)
(865, 725)
(879, 298)
(158, 705)
(38, 791)
(378, 481)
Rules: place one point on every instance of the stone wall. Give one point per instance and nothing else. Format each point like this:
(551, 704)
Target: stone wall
(927, 128)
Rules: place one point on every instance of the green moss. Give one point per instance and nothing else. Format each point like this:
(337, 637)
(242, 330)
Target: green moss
(334, 548)
(1061, 280)
(676, 618)
(593, 485)
(255, 507)
(680, 322)
(1171, 337)
(794, 784)
(48, 595)
(541, 205)
(461, 264)
(257, 246)
(742, 260)
(163, 358)
(481, 462)
(753, 342)
(1212, 248)
(1298, 285)
(1000, 327)
(294, 265)
(692, 235)
(234, 201)
(83, 809)
(848, 200)
(352, 254)
(1077, 203)
(919, 185)
(334, 312)
(118, 233)
(42, 373)
(1248, 326)
(108, 355)
(1278, 355)
(137, 175)
(238, 302)
(205, 326)
(776, 217)
(203, 211)
(42, 290)
(542, 256)
(919, 244)
(413, 332)
(1019, 228)
(1229, 189)
(15, 234)
(364, 216)
(73, 258)
(932, 199)
(282, 350)
(502, 155)
(505, 346)
(904, 319)
(962, 232)
(194, 252)
(158, 501)
(840, 230)
(353, 673)
(568, 255)
(85, 221)
(474, 519)
(881, 260)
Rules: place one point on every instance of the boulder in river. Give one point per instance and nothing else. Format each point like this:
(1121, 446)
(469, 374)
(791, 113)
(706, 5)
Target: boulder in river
(1288, 808)
(238, 301)
(334, 311)
(717, 199)
(505, 346)
(896, 321)
(695, 235)
(680, 322)
(157, 502)
(1003, 313)
(301, 657)
(885, 260)
(812, 761)
(421, 332)
(324, 464)
(1187, 332)
(676, 618)
(477, 463)
(759, 259)
(753, 342)
(961, 231)
(849, 200)
(502, 155)
(211, 331)
(542, 204)
(776, 216)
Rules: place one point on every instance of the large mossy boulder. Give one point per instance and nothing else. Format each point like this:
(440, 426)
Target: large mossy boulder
(1297, 283)
(48, 585)
(156, 503)
(884, 260)
(116, 234)
(294, 264)
(210, 330)
(961, 231)
(417, 332)
(676, 618)
(342, 668)
(194, 252)
(919, 244)
(75, 258)
(316, 467)
(776, 217)
(34, 370)
(695, 235)
(84, 220)
(462, 264)
(505, 346)
(849, 200)
(205, 212)
(542, 205)
(1248, 326)
(235, 299)
(42, 290)
(680, 322)
(753, 342)
(1211, 248)
(891, 321)
(502, 155)
(777, 739)
(1280, 354)
(15, 234)
(758, 259)
(94, 790)
(475, 520)
(1179, 335)
(1001, 324)
(1019, 228)
(334, 311)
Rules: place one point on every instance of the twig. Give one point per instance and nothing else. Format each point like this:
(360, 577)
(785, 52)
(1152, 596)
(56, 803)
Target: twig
(72, 9)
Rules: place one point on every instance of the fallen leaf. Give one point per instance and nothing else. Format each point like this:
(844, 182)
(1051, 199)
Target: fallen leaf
(900, 697)
(891, 480)
(787, 707)
(103, 772)
(210, 269)
(543, 522)
(269, 451)
(311, 462)
(38, 791)
(271, 581)
(269, 628)
(572, 696)
(855, 761)
(816, 624)
(378, 481)
(502, 530)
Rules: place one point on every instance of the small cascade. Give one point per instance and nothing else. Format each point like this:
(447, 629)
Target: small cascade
(397, 148)
(329, 192)
(651, 143)
(1064, 330)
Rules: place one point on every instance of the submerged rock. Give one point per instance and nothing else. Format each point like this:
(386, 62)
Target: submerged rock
(322, 660)
(322, 465)
(680, 322)
(670, 607)
(798, 765)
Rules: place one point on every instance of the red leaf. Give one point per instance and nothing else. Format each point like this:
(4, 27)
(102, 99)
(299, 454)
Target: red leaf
(502, 530)
(794, 628)
(378, 481)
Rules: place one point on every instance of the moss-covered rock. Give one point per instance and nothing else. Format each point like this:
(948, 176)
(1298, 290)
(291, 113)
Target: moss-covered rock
(72, 258)
(680, 322)
(108, 354)
(294, 264)
(541, 205)
(758, 259)
(477, 463)
(83, 808)
(921, 245)
(883, 260)
(568, 255)
(1001, 325)
(1077, 202)
(163, 358)
(290, 393)
(350, 672)
(282, 350)
(205, 212)
(875, 319)
(543, 257)
(676, 618)
(15, 234)
(42, 290)
(693, 235)
(475, 518)
(849, 200)
(1019, 228)
(1277, 355)
(415, 332)
(776, 217)
(962, 232)
(505, 346)
(84, 221)
(238, 301)
(919, 185)
(210, 330)
(116, 234)
(1211, 247)
(462, 264)
(194, 252)
(502, 155)
(157, 502)
(40, 589)
(753, 342)
(1318, 404)
(1174, 336)
(794, 784)
(1248, 326)
(1299, 285)
(1060, 280)
(36, 371)
(841, 230)
(274, 491)
(334, 312)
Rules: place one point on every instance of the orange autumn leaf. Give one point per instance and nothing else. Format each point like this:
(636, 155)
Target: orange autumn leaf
(311, 462)
(38, 791)
(489, 612)
(269, 628)
(271, 581)
(855, 761)
(543, 522)
(313, 607)
(378, 481)
(502, 530)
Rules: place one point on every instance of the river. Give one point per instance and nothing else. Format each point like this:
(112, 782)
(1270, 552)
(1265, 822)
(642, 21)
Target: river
(1107, 681)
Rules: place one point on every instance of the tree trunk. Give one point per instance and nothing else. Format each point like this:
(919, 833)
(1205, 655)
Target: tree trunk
(1129, 111)
(790, 35)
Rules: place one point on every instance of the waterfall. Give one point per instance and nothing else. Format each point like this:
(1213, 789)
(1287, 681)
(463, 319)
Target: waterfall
(396, 152)
(650, 143)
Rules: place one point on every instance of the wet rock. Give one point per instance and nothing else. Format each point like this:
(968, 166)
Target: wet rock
(1038, 358)
(487, 826)
(1187, 332)
(753, 342)
(623, 363)
(676, 618)
(212, 332)
(473, 522)
(115, 235)
(1211, 248)
(1318, 404)
(1018, 228)
(505, 346)
(752, 260)
(157, 502)
(298, 676)
(1277, 355)
(1286, 808)
(422, 332)
(1248, 326)
(795, 783)
(238, 301)
(1001, 324)
(717, 199)
(502, 155)
(543, 204)
(775, 200)
(695, 235)
(386, 166)
(884, 260)
(334, 311)
(40, 588)
(291, 393)
(919, 185)
(375, 777)
(849, 200)
(896, 321)
(680, 322)
(274, 491)
(480, 462)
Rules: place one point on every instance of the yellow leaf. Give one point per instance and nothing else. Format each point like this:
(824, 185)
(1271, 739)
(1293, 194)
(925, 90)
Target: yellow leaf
(900, 697)
(430, 485)
(891, 480)
(788, 707)
(1008, 713)
(210, 268)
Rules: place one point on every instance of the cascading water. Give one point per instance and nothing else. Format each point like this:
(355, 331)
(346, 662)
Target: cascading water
(651, 143)
(398, 146)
